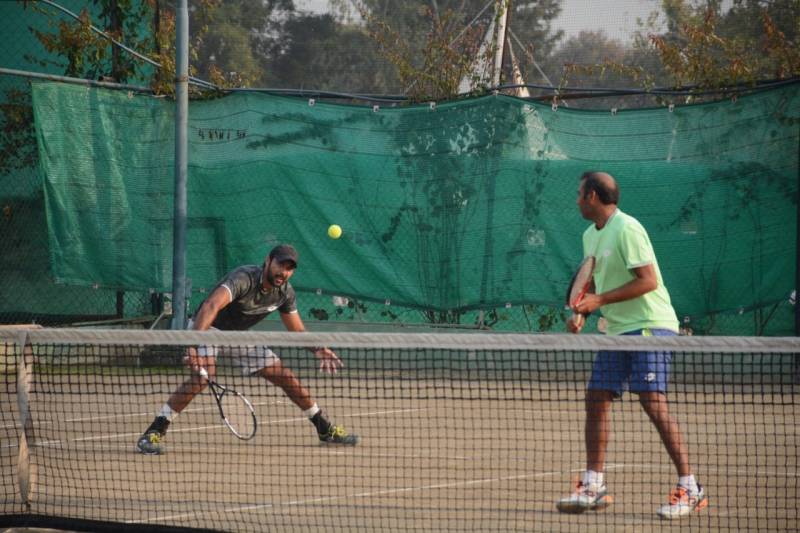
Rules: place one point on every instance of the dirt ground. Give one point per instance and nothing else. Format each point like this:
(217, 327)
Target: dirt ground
(435, 454)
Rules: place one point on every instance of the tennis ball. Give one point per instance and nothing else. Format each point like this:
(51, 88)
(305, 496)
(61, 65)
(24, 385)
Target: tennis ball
(334, 231)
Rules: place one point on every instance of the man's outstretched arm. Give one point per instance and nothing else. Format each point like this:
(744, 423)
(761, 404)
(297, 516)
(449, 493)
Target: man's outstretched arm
(328, 360)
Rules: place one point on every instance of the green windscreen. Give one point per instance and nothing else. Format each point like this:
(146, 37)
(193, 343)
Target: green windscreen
(458, 205)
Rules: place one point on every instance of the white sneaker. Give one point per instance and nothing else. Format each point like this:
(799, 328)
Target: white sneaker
(682, 503)
(592, 497)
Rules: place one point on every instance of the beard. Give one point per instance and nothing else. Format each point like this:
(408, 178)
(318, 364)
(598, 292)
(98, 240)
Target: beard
(271, 277)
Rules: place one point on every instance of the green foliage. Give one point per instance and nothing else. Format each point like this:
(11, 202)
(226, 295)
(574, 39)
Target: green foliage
(603, 60)
(233, 39)
(148, 26)
(18, 149)
(433, 71)
(320, 52)
(700, 54)
(708, 49)
(200, 60)
(83, 53)
(702, 47)
(434, 47)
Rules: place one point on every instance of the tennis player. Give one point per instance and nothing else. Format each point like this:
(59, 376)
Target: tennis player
(629, 291)
(242, 299)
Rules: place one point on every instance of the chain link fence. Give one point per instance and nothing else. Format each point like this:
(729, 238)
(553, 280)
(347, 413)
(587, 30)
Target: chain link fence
(28, 292)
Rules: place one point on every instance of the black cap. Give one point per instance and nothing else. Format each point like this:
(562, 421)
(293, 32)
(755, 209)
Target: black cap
(284, 252)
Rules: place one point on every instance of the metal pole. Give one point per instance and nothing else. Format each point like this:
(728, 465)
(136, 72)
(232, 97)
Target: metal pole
(181, 124)
(77, 81)
(501, 41)
(797, 255)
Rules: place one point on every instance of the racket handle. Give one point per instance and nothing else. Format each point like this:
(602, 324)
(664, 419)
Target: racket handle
(579, 319)
(203, 373)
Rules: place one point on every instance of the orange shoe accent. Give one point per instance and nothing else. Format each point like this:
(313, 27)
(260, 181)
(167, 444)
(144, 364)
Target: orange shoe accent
(677, 495)
(603, 503)
(702, 505)
(681, 495)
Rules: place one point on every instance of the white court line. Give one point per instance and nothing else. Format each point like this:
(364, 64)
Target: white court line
(384, 492)
(117, 416)
(197, 428)
(328, 451)
(370, 494)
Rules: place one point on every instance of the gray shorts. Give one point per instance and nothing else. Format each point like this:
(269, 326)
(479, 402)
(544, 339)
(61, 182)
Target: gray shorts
(249, 359)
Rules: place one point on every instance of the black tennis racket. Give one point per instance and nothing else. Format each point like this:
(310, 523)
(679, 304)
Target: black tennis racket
(236, 411)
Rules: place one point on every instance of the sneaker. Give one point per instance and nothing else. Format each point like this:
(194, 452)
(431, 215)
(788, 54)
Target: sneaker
(150, 442)
(682, 502)
(585, 498)
(337, 435)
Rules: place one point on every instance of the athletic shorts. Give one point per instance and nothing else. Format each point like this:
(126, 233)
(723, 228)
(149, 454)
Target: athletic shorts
(617, 371)
(249, 359)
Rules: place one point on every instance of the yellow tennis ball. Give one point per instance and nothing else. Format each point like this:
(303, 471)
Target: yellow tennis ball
(334, 231)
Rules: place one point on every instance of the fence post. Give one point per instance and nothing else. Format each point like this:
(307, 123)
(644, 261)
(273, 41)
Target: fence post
(181, 155)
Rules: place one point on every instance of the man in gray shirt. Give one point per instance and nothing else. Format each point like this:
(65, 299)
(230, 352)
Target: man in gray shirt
(242, 299)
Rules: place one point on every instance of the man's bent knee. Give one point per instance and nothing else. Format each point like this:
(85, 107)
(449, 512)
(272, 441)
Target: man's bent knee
(275, 371)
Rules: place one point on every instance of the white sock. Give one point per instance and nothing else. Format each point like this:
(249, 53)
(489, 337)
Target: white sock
(590, 477)
(689, 483)
(167, 412)
(311, 411)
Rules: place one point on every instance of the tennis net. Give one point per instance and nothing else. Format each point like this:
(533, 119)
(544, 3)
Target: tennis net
(460, 432)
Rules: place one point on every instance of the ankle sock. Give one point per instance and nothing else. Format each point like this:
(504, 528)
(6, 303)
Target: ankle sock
(167, 412)
(689, 483)
(590, 477)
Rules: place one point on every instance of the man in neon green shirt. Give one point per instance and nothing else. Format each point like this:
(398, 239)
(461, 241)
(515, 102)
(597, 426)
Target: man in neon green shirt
(628, 289)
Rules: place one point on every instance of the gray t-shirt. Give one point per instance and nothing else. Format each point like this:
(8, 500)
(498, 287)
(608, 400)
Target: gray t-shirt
(249, 302)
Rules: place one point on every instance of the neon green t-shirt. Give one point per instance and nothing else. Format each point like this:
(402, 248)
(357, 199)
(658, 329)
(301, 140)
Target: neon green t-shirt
(619, 247)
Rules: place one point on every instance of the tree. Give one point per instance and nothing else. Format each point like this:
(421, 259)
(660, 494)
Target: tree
(90, 55)
(703, 47)
(435, 70)
(593, 60)
(587, 48)
(434, 46)
(76, 51)
(321, 52)
(18, 149)
(709, 49)
(233, 38)
(148, 26)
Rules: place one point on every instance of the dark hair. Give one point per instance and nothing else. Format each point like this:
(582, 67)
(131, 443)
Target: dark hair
(606, 189)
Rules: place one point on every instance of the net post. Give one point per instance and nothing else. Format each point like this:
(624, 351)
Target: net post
(24, 468)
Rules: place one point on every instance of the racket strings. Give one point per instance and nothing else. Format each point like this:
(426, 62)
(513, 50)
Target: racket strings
(238, 414)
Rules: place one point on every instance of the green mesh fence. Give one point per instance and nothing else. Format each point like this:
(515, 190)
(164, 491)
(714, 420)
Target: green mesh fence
(448, 208)
(28, 292)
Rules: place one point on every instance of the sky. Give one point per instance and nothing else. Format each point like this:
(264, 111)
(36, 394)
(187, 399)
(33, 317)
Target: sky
(616, 17)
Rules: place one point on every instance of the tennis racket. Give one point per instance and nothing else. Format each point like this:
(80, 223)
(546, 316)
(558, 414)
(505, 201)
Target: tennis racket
(236, 411)
(581, 281)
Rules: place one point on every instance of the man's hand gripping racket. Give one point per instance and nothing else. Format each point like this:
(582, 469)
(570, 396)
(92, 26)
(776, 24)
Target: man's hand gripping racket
(578, 287)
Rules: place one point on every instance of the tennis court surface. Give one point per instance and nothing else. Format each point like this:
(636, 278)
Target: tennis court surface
(460, 432)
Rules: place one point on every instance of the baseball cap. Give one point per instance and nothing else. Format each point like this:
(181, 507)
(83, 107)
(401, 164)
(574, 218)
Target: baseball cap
(284, 252)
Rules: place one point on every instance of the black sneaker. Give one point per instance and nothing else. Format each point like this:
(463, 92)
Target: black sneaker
(150, 442)
(337, 435)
